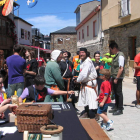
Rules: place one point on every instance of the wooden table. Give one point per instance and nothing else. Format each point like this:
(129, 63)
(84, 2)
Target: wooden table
(93, 129)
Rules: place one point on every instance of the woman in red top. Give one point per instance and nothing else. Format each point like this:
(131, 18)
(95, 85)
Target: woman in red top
(104, 99)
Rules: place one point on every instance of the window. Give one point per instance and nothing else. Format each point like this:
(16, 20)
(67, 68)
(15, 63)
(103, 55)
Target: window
(82, 34)
(0, 27)
(3, 27)
(22, 33)
(87, 30)
(25, 35)
(94, 28)
(28, 35)
(125, 8)
(78, 17)
(60, 40)
(3, 31)
(79, 36)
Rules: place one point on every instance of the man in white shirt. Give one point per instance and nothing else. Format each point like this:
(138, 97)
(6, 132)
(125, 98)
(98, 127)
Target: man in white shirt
(88, 91)
(117, 73)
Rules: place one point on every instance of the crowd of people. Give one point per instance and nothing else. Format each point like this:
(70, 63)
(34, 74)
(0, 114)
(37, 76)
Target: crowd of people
(36, 80)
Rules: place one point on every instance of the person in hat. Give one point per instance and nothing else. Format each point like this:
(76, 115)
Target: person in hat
(104, 60)
(66, 67)
(53, 76)
(108, 63)
(88, 92)
(107, 55)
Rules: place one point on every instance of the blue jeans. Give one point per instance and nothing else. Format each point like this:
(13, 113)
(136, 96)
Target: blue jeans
(15, 87)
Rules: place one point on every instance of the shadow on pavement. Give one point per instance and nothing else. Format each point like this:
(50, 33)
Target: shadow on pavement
(134, 102)
(129, 105)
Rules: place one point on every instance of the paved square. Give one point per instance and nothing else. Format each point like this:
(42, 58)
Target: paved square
(126, 126)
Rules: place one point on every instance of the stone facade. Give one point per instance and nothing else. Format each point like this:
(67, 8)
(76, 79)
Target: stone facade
(123, 35)
(93, 48)
(69, 42)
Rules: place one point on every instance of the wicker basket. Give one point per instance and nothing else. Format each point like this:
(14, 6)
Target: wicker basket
(31, 117)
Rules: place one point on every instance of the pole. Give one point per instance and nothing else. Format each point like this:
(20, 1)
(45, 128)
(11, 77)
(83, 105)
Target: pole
(38, 53)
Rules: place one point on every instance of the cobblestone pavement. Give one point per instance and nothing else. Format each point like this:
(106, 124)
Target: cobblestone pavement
(126, 126)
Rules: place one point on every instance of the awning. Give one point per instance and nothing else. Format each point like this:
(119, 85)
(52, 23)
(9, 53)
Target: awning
(36, 47)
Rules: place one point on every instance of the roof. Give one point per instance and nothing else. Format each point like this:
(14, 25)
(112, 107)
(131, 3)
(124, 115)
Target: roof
(78, 7)
(22, 20)
(66, 30)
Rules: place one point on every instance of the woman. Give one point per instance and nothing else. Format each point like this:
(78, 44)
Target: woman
(31, 68)
(98, 66)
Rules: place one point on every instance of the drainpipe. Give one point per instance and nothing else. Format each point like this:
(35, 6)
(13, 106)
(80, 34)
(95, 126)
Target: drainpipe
(99, 31)
(101, 22)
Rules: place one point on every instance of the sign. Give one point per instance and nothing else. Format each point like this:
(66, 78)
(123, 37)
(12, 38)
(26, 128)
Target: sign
(31, 3)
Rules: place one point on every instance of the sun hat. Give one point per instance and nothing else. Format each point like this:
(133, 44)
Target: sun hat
(107, 54)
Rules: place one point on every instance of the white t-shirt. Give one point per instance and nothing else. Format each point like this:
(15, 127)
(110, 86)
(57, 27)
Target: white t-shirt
(121, 61)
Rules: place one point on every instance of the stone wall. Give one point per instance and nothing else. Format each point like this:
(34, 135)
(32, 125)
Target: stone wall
(69, 42)
(105, 42)
(92, 49)
(122, 35)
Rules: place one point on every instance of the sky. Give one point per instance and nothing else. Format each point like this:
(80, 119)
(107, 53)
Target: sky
(50, 15)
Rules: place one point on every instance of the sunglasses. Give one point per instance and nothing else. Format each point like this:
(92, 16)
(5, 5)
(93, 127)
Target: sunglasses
(101, 74)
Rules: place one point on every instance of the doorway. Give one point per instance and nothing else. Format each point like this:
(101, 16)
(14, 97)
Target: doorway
(133, 48)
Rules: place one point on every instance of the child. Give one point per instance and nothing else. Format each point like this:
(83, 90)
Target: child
(4, 104)
(104, 99)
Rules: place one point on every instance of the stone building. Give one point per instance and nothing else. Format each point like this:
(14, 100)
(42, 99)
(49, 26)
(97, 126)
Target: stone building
(121, 23)
(65, 38)
(7, 34)
(88, 20)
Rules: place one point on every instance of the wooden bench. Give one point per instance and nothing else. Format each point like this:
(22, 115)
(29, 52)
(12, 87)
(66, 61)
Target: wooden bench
(93, 129)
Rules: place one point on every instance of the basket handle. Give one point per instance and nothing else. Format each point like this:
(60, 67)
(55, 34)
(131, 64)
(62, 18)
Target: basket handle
(33, 105)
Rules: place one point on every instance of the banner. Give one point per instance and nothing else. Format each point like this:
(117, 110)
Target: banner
(8, 7)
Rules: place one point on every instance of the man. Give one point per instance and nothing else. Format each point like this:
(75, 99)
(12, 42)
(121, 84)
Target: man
(66, 67)
(53, 76)
(88, 91)
(41, 61)
(117, 73)
(38, 91)
(16, 68)
(137, 75)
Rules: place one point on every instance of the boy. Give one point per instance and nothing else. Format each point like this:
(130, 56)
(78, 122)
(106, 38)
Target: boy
(104, 99)
(38, 91)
